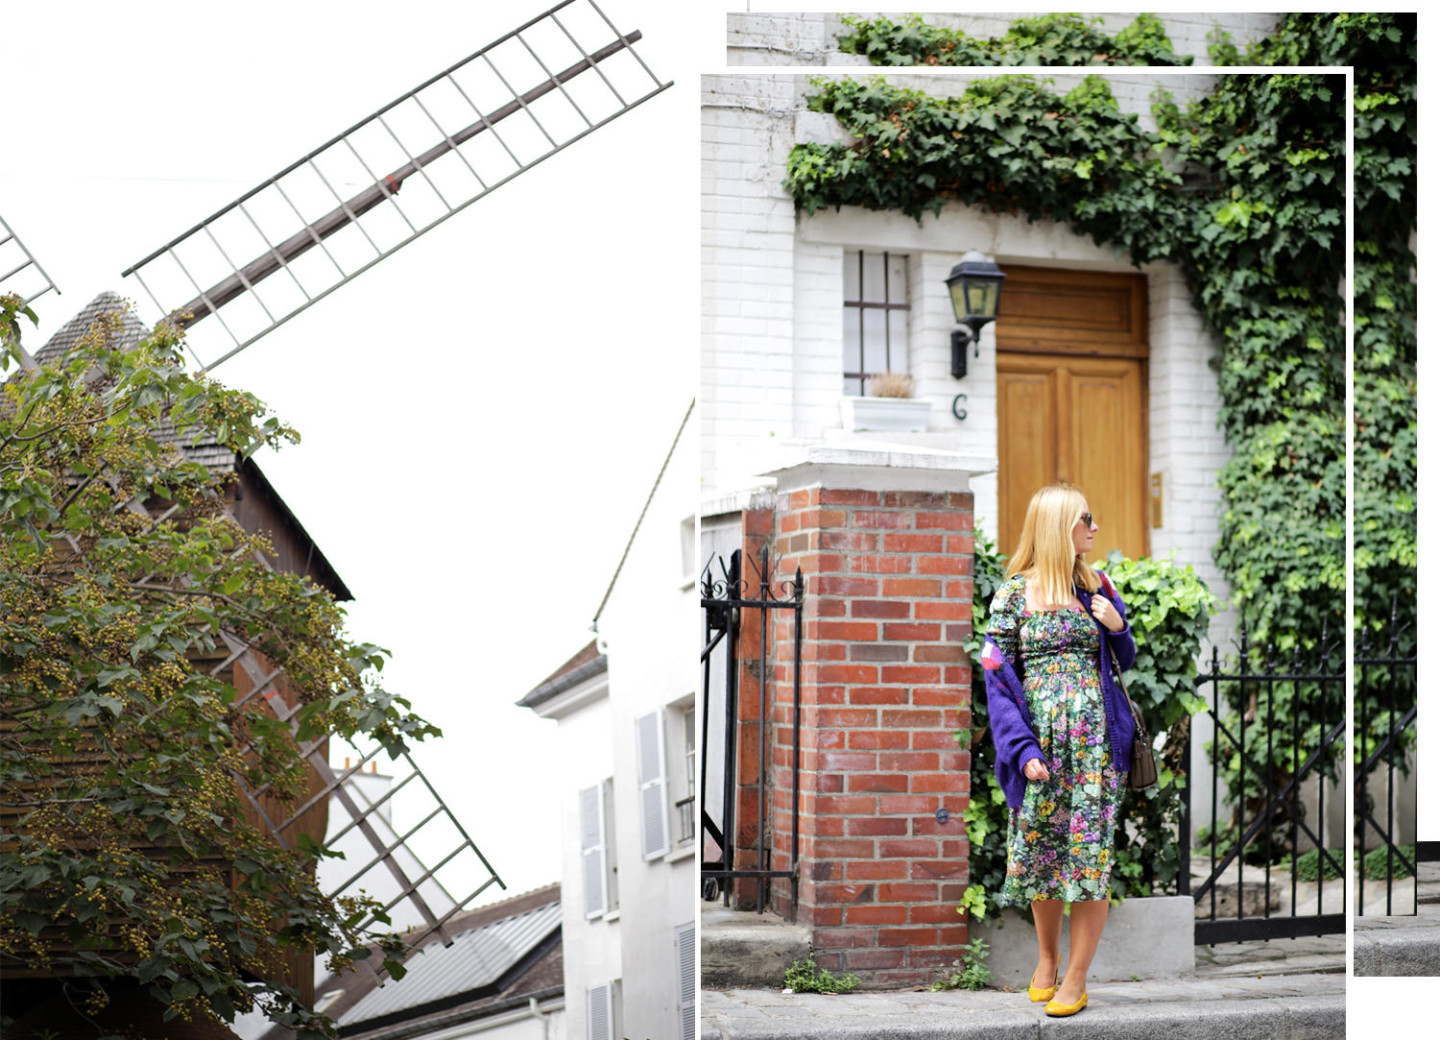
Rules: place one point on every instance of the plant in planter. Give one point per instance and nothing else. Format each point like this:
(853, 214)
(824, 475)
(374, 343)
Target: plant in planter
(892, 384)
(890, 406)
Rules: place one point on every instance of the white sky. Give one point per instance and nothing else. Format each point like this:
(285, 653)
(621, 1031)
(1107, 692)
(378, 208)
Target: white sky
(483, 412)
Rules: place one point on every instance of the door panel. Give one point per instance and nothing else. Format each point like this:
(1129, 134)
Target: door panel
(1029, 424)
(1080, 420)
(1053, 311)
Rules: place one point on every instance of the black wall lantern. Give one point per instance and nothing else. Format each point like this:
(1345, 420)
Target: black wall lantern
(975, 294)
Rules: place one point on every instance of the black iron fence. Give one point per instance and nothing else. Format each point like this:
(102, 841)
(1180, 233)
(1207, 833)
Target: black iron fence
(732, 600)
(1277, 723)
(1385, 718)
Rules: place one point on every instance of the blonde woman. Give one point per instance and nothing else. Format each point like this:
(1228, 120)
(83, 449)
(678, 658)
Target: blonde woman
(1063, 733)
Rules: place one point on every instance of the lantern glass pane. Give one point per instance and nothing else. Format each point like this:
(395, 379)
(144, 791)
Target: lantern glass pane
(957, 299)
(982, 298)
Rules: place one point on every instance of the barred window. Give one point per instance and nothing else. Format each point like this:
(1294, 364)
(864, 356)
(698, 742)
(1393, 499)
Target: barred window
(877, 317)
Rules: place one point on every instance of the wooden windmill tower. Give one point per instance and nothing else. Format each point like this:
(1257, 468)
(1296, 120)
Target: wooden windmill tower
(301, 235)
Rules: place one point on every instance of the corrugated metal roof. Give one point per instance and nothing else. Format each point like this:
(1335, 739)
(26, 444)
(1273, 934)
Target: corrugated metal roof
(476, 959)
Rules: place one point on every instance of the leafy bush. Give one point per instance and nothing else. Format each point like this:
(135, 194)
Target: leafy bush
(1377, 862)
(806, 977)
(1309, 865)
(970, 971)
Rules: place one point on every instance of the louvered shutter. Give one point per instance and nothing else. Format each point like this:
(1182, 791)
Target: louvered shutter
(654, 815)
(685, 965)
(592, 850)
(598, 1017)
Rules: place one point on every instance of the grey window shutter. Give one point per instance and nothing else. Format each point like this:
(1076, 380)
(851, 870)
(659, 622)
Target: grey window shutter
(685, 965)
(654, 807)
(592, 850)
(598, 1017)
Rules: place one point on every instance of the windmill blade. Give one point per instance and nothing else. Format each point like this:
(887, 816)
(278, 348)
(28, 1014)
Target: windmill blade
(20, 272)
(339, 210)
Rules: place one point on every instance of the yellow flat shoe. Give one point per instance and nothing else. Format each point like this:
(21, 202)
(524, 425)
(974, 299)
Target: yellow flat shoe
(1055, 1009)
(1039, 995)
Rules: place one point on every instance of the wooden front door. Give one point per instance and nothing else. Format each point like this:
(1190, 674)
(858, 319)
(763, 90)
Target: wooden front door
(1070, 372)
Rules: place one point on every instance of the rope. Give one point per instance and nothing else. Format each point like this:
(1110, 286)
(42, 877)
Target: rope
(636, 530)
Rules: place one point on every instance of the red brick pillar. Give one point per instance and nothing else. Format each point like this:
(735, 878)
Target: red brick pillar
(885, 685)
(756, 528)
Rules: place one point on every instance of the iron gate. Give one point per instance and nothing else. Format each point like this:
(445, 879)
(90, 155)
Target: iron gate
(725, 601)
(1388, 671)
(1266, 793)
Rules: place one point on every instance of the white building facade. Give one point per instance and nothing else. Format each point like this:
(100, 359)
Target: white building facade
(626, 738)
(783, 311)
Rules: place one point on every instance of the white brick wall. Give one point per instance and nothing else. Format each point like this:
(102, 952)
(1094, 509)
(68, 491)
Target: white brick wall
(765, 38)
(747, 264)
(771, 349)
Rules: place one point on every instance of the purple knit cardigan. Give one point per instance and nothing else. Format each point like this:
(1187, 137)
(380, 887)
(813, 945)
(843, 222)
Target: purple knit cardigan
(1010, 725)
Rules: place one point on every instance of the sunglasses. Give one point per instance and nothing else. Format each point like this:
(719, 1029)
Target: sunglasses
(1087, 519)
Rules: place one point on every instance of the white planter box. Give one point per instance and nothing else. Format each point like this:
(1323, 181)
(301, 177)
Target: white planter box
(890, 414)
(1144, 938)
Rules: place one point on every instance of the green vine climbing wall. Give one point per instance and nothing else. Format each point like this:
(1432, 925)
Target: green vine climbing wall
(1048, 39)
(1245, 191)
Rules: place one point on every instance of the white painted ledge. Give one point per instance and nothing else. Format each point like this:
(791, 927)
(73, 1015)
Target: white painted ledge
(877, 466)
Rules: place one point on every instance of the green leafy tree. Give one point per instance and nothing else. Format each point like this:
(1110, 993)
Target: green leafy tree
(125, 856)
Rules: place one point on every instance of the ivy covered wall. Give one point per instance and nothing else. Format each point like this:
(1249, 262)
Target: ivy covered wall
(1245, 190)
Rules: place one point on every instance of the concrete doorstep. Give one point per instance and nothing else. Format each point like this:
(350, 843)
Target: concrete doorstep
(1401, 936)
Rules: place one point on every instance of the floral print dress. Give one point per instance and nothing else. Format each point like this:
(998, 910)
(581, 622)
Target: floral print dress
(1059, 842)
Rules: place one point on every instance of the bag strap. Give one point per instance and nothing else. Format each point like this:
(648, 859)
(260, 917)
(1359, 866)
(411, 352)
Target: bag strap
(1141, 732)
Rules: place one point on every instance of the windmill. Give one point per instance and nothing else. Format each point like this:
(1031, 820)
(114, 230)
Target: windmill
(419, 160)
(22, 273)
(22, 276)
(306, 231)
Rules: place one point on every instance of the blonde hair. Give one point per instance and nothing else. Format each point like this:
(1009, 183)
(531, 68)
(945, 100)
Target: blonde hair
(1046, 553)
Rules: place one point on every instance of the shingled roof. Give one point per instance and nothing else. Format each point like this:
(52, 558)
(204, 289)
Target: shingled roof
(196, 446)
(586, 662)
(199, 447)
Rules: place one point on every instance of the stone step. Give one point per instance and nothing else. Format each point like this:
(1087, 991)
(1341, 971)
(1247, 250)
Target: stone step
(1397, 946)
(742, 948)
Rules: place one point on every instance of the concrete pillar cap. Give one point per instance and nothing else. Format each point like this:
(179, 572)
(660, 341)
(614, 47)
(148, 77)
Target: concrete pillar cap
(881, 467)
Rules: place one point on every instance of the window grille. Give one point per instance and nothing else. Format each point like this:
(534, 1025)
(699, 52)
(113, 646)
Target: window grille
(876, 325)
